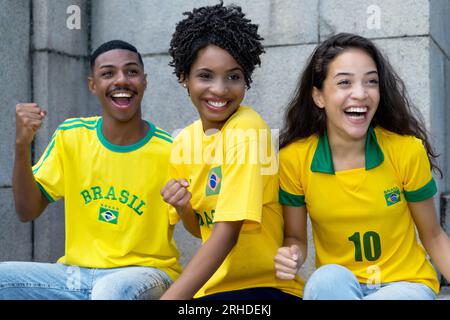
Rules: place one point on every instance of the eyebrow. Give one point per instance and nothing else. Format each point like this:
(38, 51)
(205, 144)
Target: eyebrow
(113, 66)
(351, 74)
(231, 70)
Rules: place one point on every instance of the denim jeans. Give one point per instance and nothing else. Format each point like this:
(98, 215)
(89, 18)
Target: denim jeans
(262, 293)
(335, 282)
(55, 281)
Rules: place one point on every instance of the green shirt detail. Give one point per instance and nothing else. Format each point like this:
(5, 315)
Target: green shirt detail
(323, 161)
(424, 193)
(288, 199)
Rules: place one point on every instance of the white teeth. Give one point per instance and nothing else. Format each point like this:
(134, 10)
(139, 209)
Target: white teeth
(121, 95)
(357, 117)
(217, 104)
(356, 109)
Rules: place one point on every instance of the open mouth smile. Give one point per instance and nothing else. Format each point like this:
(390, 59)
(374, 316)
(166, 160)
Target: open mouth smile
(122, 99)
(356, 114)
(217, 105)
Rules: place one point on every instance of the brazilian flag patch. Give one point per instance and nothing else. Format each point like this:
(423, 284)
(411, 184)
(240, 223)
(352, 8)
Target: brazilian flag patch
(108, 214)
(392, 196)
(214, 181)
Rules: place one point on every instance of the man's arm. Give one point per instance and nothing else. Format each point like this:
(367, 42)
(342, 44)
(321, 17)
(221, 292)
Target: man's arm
(28, 198)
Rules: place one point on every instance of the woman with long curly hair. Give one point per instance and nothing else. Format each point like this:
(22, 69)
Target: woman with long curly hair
(356, 158)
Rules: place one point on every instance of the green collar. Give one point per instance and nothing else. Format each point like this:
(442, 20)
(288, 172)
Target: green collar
(123, 149)
(323, 162)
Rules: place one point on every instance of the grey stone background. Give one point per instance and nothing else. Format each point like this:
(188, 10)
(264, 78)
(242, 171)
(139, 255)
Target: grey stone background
(46, 62)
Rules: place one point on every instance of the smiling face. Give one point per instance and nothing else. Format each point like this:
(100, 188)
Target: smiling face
(350, 94)
(119, 81)
(216, 85)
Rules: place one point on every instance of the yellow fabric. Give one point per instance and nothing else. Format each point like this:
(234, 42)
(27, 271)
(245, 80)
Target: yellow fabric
(355, 207)
(233, 176)
(115, 215)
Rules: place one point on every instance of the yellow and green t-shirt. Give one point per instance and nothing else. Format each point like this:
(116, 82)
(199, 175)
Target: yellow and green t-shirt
(114, 213)
(233, 176)
(360, 217)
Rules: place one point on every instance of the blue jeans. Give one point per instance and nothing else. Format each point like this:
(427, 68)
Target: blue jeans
(263, 293)
(56, 281)
(335, 282)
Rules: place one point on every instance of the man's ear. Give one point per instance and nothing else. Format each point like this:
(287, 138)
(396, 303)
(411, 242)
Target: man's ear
(318, 98)
(91, 85)
(145, 81)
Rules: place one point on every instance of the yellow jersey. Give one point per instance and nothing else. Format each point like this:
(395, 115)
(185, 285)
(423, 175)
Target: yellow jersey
(114, 213)
(233, 176)
(360, 217)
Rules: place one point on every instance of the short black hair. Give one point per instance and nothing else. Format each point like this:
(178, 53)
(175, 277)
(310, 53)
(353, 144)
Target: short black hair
(113, 45)
(223, 26)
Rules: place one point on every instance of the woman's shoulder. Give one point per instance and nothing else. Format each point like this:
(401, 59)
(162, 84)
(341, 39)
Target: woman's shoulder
(246, 118)
(397, 144)
(300, 147)
(187, 131)
(393, 140)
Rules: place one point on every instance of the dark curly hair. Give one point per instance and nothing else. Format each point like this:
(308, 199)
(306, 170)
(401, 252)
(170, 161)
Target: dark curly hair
(223, 26)
(395, 112)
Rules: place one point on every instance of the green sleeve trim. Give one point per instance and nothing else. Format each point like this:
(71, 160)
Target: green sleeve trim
(289, 199)
(163, 137)
(424, 193)
(50, 148)
(93, 121)
(157, 130)
(49, 198)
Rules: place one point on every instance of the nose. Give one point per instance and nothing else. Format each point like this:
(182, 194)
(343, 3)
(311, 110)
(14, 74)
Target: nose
(219, 87)
(121, 79)
(359, 92)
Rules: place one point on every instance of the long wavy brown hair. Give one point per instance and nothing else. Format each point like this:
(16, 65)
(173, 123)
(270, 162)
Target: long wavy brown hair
(395, 113)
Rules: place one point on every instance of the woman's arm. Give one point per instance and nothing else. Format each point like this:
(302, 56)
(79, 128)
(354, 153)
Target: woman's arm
(433, 237)
(206, 261)
(176, 194)
(291, 256)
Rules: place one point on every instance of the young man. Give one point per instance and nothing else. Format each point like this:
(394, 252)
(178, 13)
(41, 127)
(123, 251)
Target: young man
(109, 169)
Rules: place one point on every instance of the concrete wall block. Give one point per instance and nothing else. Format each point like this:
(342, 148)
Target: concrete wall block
(49, 234)
(374, 18)
(148, 25)
(187, 244)
(410, 58)
(55, 29)
(284, 22)
(447, 117)
(166, 102)
(15, 76)
(445, 211)
(440, 23)
(15, 237)
(438, 109)
(60, 87)
(274, 83)
(153, 22)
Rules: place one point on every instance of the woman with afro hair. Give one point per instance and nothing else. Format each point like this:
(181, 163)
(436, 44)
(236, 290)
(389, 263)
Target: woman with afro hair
(224, 184)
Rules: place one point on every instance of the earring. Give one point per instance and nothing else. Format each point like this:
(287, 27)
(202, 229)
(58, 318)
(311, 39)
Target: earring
(184, 85)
